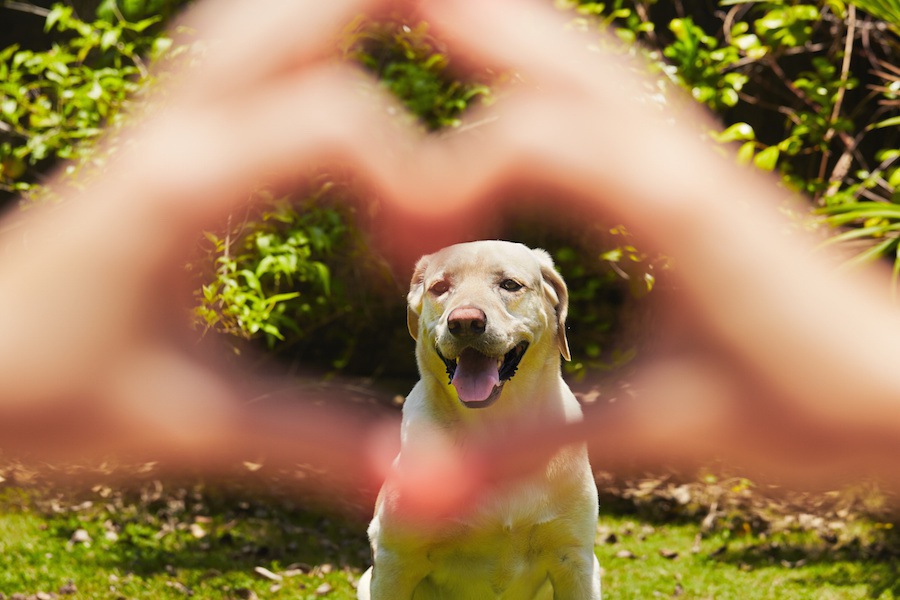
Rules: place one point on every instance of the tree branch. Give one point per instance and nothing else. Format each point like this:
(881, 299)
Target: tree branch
(26, 8)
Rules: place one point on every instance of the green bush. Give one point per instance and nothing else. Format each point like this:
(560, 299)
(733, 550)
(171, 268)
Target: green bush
(808, 89)
(136, 10)
(264, 264)
(55, 103)
(297, 273)
(410, 63)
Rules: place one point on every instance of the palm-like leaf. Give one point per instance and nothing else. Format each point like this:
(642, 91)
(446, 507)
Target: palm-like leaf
(886, 10)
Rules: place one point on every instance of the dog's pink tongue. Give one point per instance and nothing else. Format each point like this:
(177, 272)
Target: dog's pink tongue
(475, 376)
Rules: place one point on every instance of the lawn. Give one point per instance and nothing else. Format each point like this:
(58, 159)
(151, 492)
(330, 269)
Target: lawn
(237, 541)
(676, 561)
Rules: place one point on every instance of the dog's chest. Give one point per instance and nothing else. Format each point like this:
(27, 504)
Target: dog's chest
(500, 560)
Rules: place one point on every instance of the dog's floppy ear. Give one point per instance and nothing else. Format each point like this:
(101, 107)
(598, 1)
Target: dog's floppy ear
(414, 298)
(558, 294)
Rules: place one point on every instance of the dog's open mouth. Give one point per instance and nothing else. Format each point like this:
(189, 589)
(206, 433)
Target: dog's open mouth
(479, 378)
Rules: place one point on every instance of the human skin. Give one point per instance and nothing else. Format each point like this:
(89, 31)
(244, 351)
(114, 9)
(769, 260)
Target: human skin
(97, 355)
(761, 368)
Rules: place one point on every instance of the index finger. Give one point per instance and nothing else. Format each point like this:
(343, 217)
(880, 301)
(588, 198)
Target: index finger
(253, 41)
(520, 35)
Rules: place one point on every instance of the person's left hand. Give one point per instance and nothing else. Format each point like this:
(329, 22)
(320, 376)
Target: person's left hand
(96, 351)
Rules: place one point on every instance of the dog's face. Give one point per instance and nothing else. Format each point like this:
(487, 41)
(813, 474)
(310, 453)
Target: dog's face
(477, 310)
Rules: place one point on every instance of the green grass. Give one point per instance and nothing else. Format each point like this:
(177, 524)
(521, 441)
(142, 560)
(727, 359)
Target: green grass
(675, 561)
(178, 543)
(207, 542)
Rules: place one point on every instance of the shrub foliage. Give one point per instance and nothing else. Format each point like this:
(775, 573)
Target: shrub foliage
(54, 102)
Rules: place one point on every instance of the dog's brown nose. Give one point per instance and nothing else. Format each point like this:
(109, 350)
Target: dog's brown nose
(467, 321)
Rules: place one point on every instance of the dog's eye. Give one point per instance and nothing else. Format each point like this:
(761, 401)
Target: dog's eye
(440, 287)
(511, 285)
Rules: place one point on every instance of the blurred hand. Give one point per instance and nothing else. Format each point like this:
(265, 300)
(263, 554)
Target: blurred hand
(759, 365)
(96, 354)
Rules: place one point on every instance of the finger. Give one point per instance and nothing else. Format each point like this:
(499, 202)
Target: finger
(432, 483)
(157, 403)
(679, 416)
(530, 38)
(697, 412)
(316, 430)
(144, 400)
(327, 116)
(250, 41)
(582, 112)
(564, 100)
(171, 404)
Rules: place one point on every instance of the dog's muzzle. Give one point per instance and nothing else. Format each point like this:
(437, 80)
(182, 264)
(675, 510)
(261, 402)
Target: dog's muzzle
(479, 378)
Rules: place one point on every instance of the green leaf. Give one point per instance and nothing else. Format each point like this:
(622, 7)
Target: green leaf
(746, 42)
(847, 213)
(273, 300)
(140, 26)
(872, 253)
(864, 207)
(895, 274)
(805, 12)
(614, 255)
(252, 280)
(894, 179)
(109, 39)
(96, 91)
(60, 13)
(745, 153)
(860, 233)
(886, 10)
(891, 122)
(9, 106)
(8, 52)
(271, 330)
(767, 158)
(324, 277)
(729, 97)
(837, 7)
(774, 19)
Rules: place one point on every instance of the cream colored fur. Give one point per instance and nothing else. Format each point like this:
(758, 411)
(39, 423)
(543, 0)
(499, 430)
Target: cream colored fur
(528, 540)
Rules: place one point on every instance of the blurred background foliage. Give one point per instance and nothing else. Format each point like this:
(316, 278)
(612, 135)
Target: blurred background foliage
(809, 90)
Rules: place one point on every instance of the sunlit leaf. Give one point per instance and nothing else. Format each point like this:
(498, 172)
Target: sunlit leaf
(767, 158)
(736, 132)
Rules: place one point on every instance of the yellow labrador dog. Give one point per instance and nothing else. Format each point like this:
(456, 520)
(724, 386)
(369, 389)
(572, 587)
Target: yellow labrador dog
(488, 318)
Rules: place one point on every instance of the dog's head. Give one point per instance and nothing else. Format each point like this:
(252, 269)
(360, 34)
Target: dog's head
(479, 309)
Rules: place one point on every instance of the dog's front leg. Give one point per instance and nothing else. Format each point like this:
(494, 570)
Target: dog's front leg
(576, 575)
(396, 578)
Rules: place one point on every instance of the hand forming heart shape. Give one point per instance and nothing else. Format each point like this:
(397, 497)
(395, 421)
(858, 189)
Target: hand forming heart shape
(93, 357)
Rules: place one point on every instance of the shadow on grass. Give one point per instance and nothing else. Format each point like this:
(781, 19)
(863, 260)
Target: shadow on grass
(819, 563)
(297, 541)
(212, 530)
